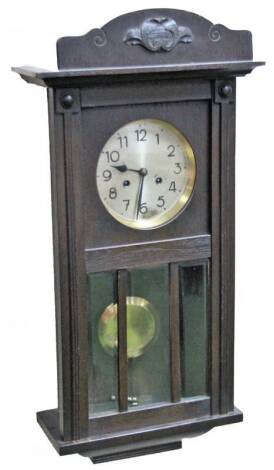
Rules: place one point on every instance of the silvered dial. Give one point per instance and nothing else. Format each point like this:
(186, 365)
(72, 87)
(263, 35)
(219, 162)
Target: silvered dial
(146, 173)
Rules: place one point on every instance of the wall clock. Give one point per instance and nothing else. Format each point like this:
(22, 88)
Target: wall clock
(142, 133)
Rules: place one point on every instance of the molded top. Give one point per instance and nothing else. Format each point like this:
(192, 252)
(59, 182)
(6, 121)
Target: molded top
(154, 37)
(149, 41)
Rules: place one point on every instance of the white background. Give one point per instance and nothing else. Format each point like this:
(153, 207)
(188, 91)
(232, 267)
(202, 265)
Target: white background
(28, 32)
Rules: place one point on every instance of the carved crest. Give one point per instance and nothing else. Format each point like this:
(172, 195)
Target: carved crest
(159, 34)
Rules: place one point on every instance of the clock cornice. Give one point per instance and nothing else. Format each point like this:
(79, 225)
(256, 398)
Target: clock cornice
(157, 43)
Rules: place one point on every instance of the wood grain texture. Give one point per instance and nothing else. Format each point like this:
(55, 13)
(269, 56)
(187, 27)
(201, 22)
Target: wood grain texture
(147, 254)
(108, 54)
(61, 270)
(111, 45)
(48, 420)
(155, 415)
(78, 281)
(215, 260)
(70, 286)
(191, 118)
(95, 76)
(155, 91)
(125, 454)
(227, 255)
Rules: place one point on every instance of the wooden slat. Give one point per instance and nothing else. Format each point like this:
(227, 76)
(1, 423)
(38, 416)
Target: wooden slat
(61, 270)
(227, 256)
(175, 359)
(207, 297)
(77, 274)
(191, 408)
(154, 92)
(144, 254)
(215, 261)
(70, 274)
(122, 279)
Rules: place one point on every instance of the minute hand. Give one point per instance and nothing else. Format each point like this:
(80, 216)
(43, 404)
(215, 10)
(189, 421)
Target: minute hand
(139, 196)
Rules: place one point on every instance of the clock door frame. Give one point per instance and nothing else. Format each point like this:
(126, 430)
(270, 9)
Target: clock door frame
(71, 422)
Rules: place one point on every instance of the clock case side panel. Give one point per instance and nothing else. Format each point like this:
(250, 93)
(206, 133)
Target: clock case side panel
(69, 270)
(223, 116)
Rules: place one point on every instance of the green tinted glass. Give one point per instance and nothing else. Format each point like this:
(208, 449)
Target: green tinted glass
(103, 366)
(194, 331)
(148, 337)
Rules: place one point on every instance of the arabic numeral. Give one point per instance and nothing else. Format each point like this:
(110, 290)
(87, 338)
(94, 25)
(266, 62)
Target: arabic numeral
(161, 201)
(126, 201)
(143, 208)
(178, 169)
(107, 175)
(113, 156)
(123, 141)
(172, 186)
(157, 138)
(171, 150)
(112, 193)
(141, 135)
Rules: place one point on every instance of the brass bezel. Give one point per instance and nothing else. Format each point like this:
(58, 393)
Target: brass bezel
(184, 199)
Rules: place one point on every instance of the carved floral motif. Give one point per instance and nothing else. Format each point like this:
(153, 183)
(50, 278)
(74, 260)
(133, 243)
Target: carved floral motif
(159, 34)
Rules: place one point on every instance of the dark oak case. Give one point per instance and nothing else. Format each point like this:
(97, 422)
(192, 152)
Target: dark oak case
(178, 67)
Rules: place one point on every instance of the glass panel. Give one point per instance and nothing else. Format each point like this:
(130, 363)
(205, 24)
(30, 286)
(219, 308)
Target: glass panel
(194, 331)
(148, 336)
(103, 360)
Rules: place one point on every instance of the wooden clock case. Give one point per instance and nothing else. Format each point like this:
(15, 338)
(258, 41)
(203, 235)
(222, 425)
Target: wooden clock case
(179, 67)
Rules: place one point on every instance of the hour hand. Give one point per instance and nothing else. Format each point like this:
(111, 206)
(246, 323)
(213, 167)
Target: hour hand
(121, 168)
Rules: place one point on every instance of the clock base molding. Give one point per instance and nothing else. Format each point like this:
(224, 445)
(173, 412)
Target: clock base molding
(132, 444)
(136, 452)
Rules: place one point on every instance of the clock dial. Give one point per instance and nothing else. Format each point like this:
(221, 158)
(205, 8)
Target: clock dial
(146, 173)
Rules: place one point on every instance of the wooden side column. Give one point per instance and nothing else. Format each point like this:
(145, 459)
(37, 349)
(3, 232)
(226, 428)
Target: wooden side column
(69, 263)
(223, 245)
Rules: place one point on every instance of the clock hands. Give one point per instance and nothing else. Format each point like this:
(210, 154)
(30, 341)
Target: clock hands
(123, 168)
(142, 173)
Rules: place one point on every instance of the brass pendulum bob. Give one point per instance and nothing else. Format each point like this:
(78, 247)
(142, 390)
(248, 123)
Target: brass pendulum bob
(141, 331)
